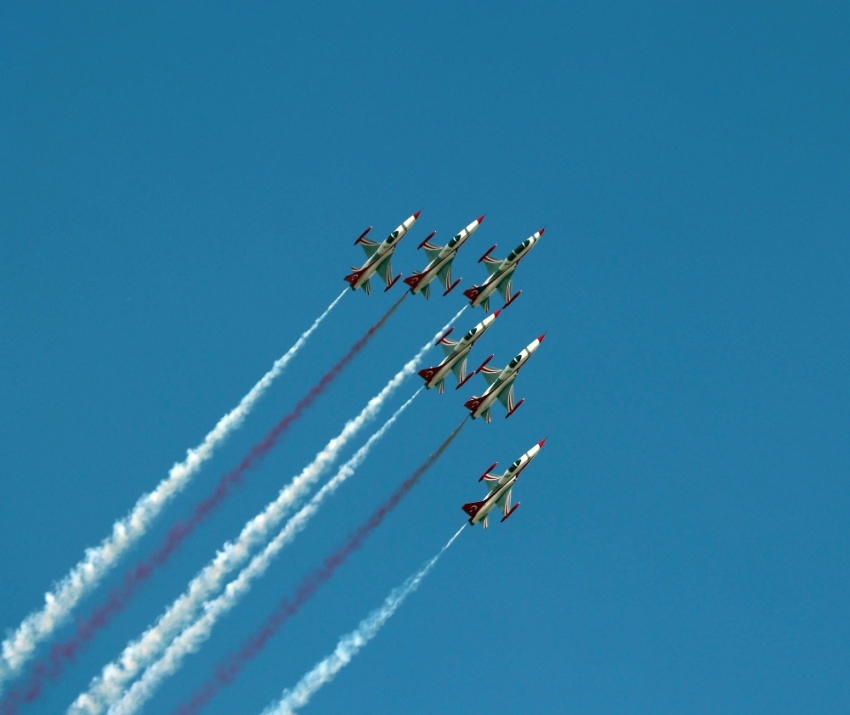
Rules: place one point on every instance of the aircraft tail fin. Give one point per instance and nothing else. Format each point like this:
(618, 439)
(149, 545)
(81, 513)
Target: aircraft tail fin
(472, 293)
(472, 508)
(428, 373)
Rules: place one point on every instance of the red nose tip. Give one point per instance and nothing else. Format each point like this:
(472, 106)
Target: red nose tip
(480, 218)
(542, 442)
(416, 215)
(540, 338)
(496, 314)
(541, 230)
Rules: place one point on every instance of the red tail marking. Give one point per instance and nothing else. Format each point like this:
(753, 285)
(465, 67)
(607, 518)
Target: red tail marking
(353, 277)
(471, 293)
(413, 280)
(472, 508)
(472, 404)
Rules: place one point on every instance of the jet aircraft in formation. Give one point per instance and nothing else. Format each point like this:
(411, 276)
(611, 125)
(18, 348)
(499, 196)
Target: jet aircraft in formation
(379, 257)
(500, 487)
(500, 381)
(456, 354)
(440, 265)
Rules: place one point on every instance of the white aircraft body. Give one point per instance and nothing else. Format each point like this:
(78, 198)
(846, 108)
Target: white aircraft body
(456, 354)
(379, 257)
(501, 384)
(500, 489)
(501, 274)
(440, 265)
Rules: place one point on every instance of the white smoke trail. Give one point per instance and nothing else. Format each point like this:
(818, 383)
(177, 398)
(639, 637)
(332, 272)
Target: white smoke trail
(192, 637)
(351, 644)
(109, 686)
(97, 562)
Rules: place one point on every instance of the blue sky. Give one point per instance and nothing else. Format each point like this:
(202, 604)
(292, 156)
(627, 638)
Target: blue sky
(181, 186)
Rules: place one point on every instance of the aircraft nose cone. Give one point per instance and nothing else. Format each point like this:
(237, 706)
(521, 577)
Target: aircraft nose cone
(496, 314)
(416, 215)
(542, 442)
(480, 218)
(540, 232)
(540, 338)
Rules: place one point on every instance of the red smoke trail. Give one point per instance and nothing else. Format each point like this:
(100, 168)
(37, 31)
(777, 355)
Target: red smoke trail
(51, 667)
(226, 673)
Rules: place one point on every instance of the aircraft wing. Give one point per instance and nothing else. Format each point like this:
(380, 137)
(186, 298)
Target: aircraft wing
(385, 269)
(492, 481)
(448, 346)
(459, 369)
(491, 374)
(432, 251)
(445, 273)
(492, 264)
(370, 247)
(504, 287)
(504, 502)
(506, 397)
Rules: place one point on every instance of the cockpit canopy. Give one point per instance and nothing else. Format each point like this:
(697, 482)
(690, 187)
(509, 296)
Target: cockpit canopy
(513, 467)
(454, 241)
(392, 237)
(519, 249)
(516, 361)
(472, 332)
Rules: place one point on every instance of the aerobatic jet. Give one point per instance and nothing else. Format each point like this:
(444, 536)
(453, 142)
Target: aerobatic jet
(500, 489)
(501, 274)
(379, 257)
(456, 354)
(440, 265)
(501, 384)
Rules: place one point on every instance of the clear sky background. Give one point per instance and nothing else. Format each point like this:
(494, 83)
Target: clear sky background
(180, 187)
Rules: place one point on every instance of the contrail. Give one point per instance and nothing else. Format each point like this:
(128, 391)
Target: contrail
(227, 672)
(192, 637)
(119, 596)
(19, 646)
(107, 688)
(351, 644)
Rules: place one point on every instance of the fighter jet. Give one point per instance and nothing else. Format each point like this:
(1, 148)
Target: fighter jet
(500, 489)
(456, 354)
(501, 274)
(501, 384)
(379, 257)
(441, 258)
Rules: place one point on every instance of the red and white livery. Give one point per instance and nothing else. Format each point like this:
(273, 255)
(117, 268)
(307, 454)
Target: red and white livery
(501, 384)
(456, 354)
(501, 274)
(379, 257)
(440, 265)
(500, 487)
